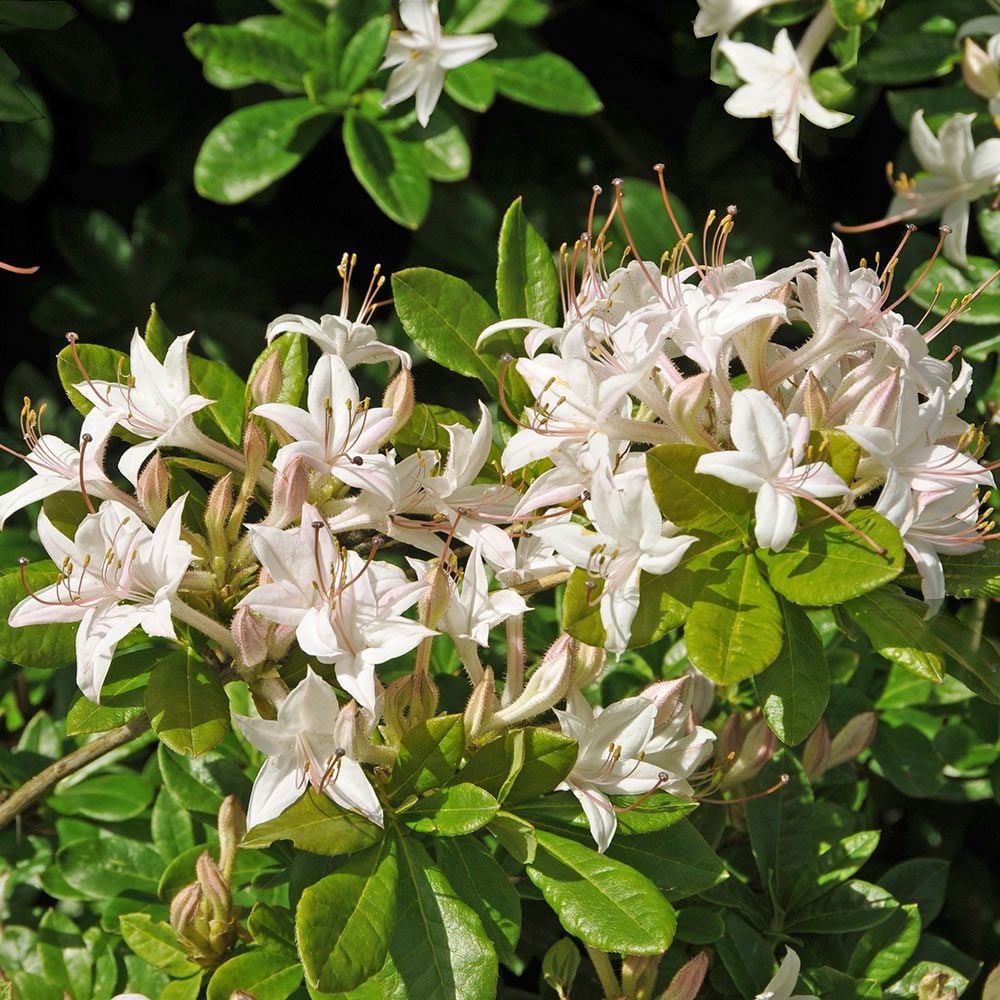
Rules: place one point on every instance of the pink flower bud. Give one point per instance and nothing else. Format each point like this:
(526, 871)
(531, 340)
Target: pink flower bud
(266, 384)
(409, 701)
(981, 74)
(291, 490)
(855, 737)
(670, 698)
(250, 635)
(816, 753)
(399, 398)
(758, 747)
(687, 981)
(232, 829)
(153, 488)
(481, 706)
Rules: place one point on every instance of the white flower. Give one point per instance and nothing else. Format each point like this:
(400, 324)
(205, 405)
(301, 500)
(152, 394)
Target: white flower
(956, 173)
(630, 536)
(154, 402)
(56, 463)
(340, 434)
(981, 70)
(345, 611)
(303, 745)
(721, 16)
(114, 576)
(423, 54)
(766, 462)
(628, 748)
(777, 86)
(780, 988)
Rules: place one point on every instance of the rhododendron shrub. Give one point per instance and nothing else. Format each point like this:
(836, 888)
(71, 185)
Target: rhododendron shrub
(437, 696)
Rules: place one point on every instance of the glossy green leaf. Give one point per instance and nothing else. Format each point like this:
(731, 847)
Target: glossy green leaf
(483, 885)
(637, 814)
(472, 85)
(452, 812)
(956, 283)
(389, 170)
(122, 694)
(853, 12)
(884, 950)
(363, 53)
(827, 563)
(43, 646)
(746, 956)
(171, 827)
(470, 16)
(606, 904)
(699, 925)
(905, 757)
(974, 575)
(855, 906)
(794, 690)
(428, 756)
(263, 974)
(316, 824)
(293, 350)
(835, 862)
(155, 941)
(441, 148)
(445, 316)
(187, 704)
(220, 383)
(273, 929)
(545, 81)
(64, 955)
(100, 364)
(44, 15)
(527, 282)
(735, 629)
(923, 881)
(344, 921)
(692, 500)
(106, 797)
(107, 866)
(425, 428)
(200, 783)
(255, 146)
(912, 58)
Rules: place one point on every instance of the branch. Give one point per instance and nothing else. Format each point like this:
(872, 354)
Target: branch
(43, 782)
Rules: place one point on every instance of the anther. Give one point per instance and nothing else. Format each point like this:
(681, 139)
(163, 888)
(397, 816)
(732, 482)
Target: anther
(358, 460)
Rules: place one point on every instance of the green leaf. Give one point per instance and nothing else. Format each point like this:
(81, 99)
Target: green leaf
(521, 765)
(155, 941)
(187, 704)
(316, 824)
(389, 170)
(452, 811)
(746, 956)
(527, 282)
(293, 349)
(905, 757)
(122, 694)
(699, 925)
(911, 58)
(604, 903)
(267, 49)
(16, 105)
(171, 827)
(638, 814)
(850, 13)
(273, 929)
(545, 81)
(445, 316)
(220, 383)
(363, 53)
(735, 629)
(836, 862)
(108, 866)
(100, 363)
(344, 921)
(64, 955)
(425, 429)
(441, 148)
(885, 949)
(200, 783)
(45, 15)
(793, 692)
(42, 646)
(516, 836)
(692, 500)
(429, 755)
(157, 334)
(472, 85)
(263, 974)
(183, 989)
(483, 885)
(254, 146)
(855, 906)
(956, 283)
(974, 575)
(107, 797)
(827, 563)
(923, 881)
(470, 16)
(439, 950)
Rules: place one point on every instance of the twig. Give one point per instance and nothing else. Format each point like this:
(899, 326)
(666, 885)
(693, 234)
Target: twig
(40, 785)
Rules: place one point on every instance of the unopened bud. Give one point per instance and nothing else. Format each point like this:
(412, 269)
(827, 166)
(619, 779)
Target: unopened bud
(670, 698)
(815, 402)
(730, 739)
(265, 387)
(548, 684)
(409, 701)
(152, 489)
(291, 490)
(481, 706)
(560, 966)
(877, 405)
(254, 450)
(184, 908)
(232, 830)
(399, 398)
(758, 747)
(217, 511)
(213, 886)
(702, 693)
(855, 737)
(588, 663)
(250, 635)
(816, 753)
(687, 981)
(934, 986)
(435, 599)
(688, 402)
(980, 72)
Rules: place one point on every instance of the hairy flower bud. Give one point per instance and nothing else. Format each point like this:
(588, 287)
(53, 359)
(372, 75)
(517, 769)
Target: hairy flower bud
(816, 753)
(756, 749)
(152, 488)
(213, 884)
(217, 511)
(290, 492)
(669, 697)
(409, 701)
(434, 600)
(265, 386)
(232, 829)
(250, 635)
(980, 72)
(254, 450)
(687, 404)
(548, 684)
(588, 663)
(815, 401)
(687, 981)
(481, 706)
(399, 398)
(855, 736)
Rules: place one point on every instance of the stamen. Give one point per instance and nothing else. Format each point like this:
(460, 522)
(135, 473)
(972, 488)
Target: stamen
(85, 439)
(777, 786)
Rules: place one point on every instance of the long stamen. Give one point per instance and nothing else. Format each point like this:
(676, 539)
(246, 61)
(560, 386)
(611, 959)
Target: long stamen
(777, 786)
(85, 439)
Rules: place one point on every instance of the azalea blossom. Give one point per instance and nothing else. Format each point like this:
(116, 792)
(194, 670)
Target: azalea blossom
(423, 54)
(955, 172)
(981, 71)
(339, 434)
(630, 536)
(308, 743)
(767, 461)
(154, 402)
(719, 17)
(777, 86)
(344, 610)
(114, 575)
(785, 980)
(629, 748)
